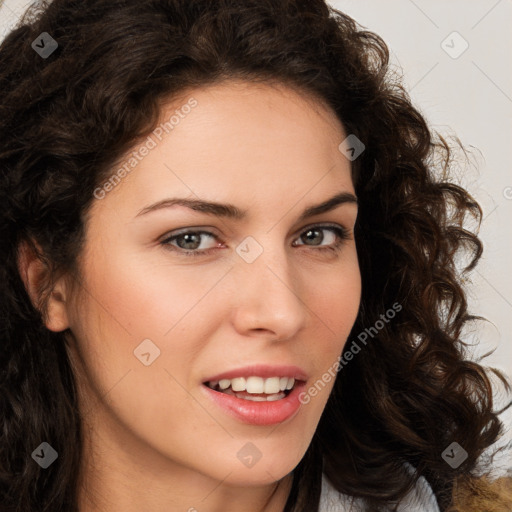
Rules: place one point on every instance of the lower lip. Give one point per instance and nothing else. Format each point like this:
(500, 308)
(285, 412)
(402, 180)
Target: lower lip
(258, 413)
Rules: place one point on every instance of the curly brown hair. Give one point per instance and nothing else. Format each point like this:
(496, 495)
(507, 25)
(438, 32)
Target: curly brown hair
(65, 120)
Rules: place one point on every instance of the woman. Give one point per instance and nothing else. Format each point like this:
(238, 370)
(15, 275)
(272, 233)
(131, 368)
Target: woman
(228, 276)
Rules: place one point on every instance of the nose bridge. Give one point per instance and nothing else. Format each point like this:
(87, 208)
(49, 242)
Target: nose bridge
(268, 292)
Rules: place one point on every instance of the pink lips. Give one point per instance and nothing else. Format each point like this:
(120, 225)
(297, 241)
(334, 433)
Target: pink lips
(259, 413)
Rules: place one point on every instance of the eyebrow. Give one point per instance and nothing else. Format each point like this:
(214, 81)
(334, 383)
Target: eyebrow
(231, 211)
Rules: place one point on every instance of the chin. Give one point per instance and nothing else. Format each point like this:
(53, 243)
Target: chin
(259, 476)
(274, 463)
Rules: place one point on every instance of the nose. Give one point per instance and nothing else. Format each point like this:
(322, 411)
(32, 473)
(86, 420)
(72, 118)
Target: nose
(266, 297)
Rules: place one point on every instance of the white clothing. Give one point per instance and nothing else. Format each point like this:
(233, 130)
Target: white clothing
(420, 499)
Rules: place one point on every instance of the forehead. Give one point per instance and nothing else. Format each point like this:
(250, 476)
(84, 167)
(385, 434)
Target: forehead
(238, 139)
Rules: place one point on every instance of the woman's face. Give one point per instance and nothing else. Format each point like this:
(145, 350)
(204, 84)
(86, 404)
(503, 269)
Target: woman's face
(259, 296)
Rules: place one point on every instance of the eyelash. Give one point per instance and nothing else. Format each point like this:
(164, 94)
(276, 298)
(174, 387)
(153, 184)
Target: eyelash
(341, 232)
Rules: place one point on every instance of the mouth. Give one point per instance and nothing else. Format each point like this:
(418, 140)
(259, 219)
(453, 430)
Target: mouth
(255, 388)
(258, 394)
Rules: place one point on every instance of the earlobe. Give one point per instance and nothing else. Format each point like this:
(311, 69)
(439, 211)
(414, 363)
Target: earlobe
(57, 318)
(34, 273)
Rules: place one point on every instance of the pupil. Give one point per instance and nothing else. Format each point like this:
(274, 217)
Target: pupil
(312, 238)
(187, 237)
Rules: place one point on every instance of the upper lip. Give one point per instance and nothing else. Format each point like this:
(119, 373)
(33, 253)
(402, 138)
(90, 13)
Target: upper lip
(262, 370)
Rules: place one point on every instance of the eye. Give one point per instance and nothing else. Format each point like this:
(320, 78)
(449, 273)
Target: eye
(189, 243)
(314, 234)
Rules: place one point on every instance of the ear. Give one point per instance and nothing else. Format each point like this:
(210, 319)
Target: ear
(34, 274)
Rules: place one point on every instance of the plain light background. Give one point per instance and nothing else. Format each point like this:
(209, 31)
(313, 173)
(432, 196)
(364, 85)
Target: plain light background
(461, 91)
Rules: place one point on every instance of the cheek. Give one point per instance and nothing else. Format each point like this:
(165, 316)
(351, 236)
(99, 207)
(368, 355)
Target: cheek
(336, 306)
(148, 296)
(145, 323)
(335, 300)
(128, 309)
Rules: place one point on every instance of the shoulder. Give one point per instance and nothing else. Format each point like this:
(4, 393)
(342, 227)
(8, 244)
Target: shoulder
(420, 499)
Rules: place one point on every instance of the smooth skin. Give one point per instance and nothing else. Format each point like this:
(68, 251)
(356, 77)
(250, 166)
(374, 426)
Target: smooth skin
(153, 439)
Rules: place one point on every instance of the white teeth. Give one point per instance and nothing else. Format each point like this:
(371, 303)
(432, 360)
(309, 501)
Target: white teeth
(238, 384)
(256, 398)
(224, 383)
(273, 386)
(255, 385)
(278, 396)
